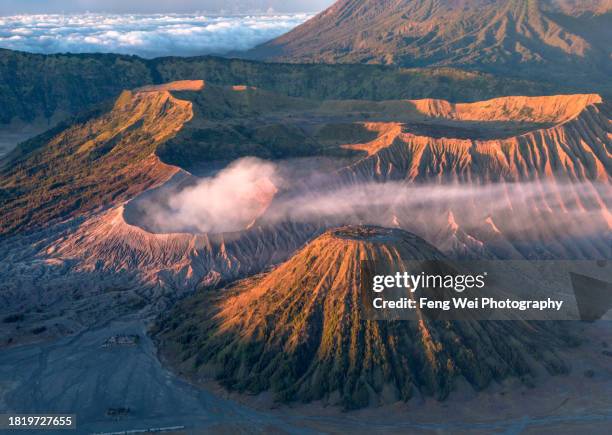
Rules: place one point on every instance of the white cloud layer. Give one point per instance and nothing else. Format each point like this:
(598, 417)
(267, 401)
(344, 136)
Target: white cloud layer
(143, 35)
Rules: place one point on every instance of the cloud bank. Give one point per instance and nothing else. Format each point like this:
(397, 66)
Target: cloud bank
(144, 35)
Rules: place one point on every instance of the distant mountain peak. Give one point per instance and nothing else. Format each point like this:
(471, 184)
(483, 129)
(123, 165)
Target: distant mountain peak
(557, 38)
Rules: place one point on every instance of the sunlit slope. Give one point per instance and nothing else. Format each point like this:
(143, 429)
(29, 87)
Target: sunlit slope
(92, 164)
(298, 331)
(571, 141)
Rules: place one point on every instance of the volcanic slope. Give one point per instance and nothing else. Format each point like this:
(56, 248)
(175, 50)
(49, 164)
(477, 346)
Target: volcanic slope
(71, 213)
(105, 158)
(563, 168)
(561, 40)
(109, 156)
(151, 133)
(299, 332)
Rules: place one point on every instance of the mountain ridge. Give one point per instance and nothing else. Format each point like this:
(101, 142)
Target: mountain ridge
(47, 89)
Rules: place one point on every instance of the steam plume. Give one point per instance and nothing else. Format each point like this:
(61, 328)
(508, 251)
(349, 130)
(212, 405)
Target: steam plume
(252, 190)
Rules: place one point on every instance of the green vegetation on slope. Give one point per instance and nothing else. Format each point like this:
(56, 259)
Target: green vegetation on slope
(60, 85)
(96, 162)
(299, 332)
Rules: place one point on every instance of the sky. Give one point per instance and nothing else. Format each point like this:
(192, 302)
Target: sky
(11, 7)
